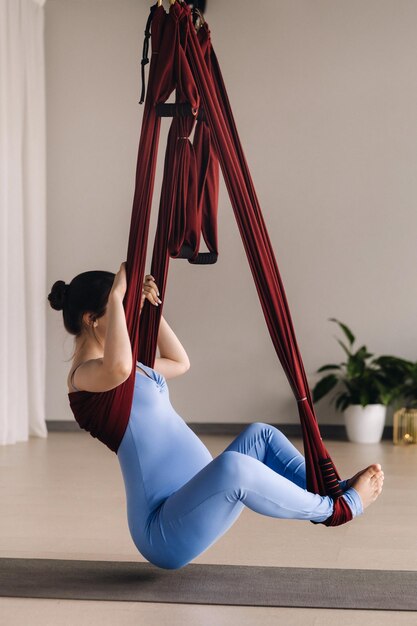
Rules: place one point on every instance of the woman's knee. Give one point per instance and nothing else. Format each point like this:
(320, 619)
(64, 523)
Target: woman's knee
(234, 468)
(259, 428)
(266, 432)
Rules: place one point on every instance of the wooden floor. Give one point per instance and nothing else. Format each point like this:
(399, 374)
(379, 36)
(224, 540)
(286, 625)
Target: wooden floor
(64, 498)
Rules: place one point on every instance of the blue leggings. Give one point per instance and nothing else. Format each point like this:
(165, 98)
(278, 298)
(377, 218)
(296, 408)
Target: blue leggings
(187, 499)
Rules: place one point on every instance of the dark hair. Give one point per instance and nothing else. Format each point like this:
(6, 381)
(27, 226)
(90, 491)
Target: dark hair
(88, 291)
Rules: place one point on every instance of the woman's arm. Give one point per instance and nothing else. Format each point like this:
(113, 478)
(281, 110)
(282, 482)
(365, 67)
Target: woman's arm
(173, 360)
(117, 348)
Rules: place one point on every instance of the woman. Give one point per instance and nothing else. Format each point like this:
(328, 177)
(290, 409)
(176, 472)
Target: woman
(179, 499)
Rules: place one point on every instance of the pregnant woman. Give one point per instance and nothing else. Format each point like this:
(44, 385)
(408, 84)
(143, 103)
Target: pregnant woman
(179, 499)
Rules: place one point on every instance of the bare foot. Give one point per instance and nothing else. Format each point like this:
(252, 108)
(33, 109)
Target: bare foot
(349, 483)
(369, 484)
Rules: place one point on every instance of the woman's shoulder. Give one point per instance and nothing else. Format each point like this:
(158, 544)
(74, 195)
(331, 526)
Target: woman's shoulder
(77, 361)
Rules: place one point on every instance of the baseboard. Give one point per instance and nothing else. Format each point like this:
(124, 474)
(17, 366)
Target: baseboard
(334, 432)
(64, 426)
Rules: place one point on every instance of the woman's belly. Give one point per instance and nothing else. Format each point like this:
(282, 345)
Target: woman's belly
(160, 449)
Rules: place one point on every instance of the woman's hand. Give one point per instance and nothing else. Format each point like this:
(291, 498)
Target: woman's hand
(150, 292)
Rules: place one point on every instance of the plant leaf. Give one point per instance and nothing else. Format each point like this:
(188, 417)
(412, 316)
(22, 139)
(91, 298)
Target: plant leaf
(344, 347)
(323, 387)
(328, 367)
(346, 330)
(342, 401)
(363, 353)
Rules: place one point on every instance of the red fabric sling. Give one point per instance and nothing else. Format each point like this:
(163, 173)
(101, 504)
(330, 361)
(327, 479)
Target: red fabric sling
(185, 61)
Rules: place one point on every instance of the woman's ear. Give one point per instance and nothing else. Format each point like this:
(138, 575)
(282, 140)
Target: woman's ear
(89, 318)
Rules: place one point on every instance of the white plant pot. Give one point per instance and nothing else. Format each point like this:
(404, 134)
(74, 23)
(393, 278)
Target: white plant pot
(365, 424)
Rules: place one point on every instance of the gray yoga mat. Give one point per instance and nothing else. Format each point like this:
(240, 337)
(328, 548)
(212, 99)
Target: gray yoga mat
(209, 584)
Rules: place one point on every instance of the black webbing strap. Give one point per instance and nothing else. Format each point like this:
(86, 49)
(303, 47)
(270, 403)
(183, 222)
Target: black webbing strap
(178, 109)
(202, 258)
(330, 479)
(145, 59)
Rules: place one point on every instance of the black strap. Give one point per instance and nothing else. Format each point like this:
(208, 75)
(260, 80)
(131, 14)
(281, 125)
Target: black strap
(202, 258)
(177, 109)
(145, 59)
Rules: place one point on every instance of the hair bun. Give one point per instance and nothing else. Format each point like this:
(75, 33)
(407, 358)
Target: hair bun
(57, 295)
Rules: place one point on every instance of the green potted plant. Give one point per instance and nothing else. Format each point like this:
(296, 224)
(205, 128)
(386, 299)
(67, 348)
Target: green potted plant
(370, 384)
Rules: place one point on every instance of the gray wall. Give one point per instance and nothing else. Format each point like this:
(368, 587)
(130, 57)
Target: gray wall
(325, 97)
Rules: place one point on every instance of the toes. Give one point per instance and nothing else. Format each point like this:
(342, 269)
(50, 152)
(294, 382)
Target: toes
(370, 471)
(377, 477)
(378, 474)
(378, 485)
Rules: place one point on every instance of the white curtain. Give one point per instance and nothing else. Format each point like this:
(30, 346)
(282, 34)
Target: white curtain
(22, 221)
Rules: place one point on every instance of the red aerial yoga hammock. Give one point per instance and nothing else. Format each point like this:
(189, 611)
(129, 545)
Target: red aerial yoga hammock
(184, 60)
